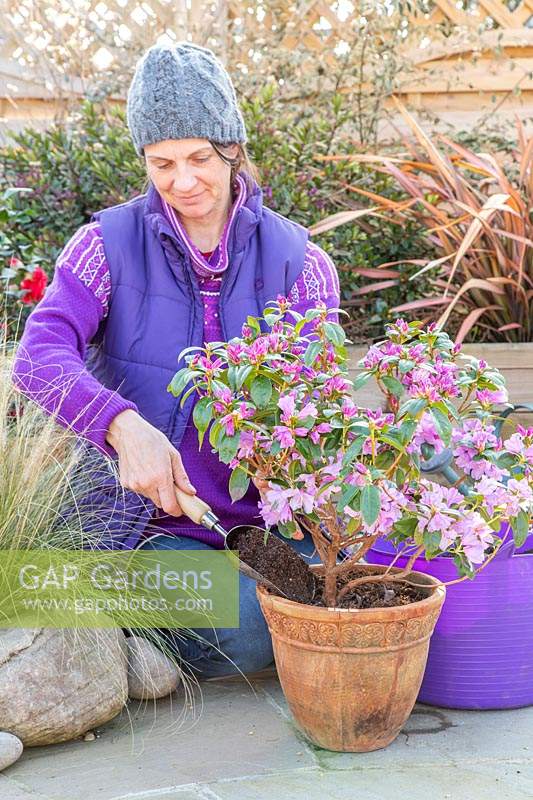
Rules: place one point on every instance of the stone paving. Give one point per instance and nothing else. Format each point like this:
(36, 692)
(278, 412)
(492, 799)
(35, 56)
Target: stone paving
(238, 742)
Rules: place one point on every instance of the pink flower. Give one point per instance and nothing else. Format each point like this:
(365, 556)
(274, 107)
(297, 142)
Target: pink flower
(283, 435)
(315, 433)
(334, 385)
(426, 433)
(373, 357)
(302, 499)
(209, 366)
(246, 444)
(475, 535)
(235, 352)
(359, 476)
(309, 410)
(495, 495)
(258, 350)
(276, 508)
(488, 398)
(287, 403)
(348, 408)
(228, 422)
(224, 395)
(520, 495)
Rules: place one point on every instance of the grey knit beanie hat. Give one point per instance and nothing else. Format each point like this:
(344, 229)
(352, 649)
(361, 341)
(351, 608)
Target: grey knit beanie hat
(182, 91)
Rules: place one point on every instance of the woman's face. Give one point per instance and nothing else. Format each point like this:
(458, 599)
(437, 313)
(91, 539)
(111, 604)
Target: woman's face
(190, 175)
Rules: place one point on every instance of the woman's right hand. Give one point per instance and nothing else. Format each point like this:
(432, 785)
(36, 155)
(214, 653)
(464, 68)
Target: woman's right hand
(148, 462)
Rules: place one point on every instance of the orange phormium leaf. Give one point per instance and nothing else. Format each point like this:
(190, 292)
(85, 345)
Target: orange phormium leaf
(376, 272)
(341, 218)
(472, 283)
(469, 159)
(470, 320)
(434, 155)
(375, 287)
(514, 236)
(398, 205)
(526, 155)
(413, 305)
(511, 326)
(493, 204)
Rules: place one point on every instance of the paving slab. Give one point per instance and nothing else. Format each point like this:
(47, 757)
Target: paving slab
(9, 790)
(438, 736)
(235, 733)
(419, 783)
(239, 741)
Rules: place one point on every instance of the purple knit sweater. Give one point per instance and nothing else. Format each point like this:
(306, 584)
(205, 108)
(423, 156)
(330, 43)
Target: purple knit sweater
(50, 366)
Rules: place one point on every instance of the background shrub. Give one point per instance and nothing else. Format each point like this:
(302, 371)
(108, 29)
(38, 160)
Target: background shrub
(72, 170)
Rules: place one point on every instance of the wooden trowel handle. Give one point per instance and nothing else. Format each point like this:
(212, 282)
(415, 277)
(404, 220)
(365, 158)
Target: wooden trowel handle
(191, 505)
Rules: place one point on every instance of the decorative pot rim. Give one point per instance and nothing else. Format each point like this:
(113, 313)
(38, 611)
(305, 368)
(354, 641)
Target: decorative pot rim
(436, 596)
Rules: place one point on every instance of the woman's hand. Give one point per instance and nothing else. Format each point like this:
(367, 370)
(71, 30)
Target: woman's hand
(148, 463)
(261, 485)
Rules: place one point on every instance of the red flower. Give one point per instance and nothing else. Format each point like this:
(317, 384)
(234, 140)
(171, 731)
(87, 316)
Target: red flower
(35, 284)
(15, 263)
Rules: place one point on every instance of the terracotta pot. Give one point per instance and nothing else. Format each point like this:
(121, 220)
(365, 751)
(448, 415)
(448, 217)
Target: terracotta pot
(351, 676)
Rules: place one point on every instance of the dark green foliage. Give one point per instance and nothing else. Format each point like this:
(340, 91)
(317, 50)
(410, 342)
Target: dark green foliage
(72, 170)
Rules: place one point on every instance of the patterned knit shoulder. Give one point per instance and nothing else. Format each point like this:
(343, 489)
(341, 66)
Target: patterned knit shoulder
(84, 256)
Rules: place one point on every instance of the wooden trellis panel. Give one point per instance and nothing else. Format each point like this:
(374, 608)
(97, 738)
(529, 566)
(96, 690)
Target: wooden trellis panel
(50, 49)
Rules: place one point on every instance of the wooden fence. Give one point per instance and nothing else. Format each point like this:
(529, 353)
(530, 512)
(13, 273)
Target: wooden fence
(459, 76)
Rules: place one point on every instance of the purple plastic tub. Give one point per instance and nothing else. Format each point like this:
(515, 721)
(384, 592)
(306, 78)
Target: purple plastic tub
(481, 653)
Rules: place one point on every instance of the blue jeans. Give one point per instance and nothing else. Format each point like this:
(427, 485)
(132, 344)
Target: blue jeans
(226, 651)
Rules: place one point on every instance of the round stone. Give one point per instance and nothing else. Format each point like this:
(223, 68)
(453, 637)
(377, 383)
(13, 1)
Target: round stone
(10, 749)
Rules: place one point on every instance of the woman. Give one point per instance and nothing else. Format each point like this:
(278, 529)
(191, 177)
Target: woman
(182, 265)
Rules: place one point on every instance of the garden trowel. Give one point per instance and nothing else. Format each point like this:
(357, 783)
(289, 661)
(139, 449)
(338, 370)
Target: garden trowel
(199, 512)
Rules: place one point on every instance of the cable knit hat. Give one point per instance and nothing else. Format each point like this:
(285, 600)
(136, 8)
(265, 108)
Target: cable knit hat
(179, 92)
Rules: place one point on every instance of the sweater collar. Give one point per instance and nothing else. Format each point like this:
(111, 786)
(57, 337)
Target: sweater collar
(245, 214)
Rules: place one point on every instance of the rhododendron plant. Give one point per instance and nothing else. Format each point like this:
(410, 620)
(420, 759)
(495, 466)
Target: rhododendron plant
(278, 403)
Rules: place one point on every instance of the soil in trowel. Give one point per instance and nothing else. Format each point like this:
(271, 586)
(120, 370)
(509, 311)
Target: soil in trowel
(278, 563)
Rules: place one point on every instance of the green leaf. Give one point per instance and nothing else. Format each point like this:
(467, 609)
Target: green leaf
(406, 526)
(228, 446)
(385, 459)
(261, 391)
(443, 424)
(353, 450)
(287, 529)
(238, 484)
(253, 323)
(334, 333)
(432, 540)
(361, 380)
(232, 377)
(242, 374)
(413, 407)
(407, 429)
(404, 365)
(392, 440)
(312, 313)
(181, 379)
(521, 528)
(215, 432)
(311, 353)
(370, 503)
(393, 385)
(347, 495)
(201, 416)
